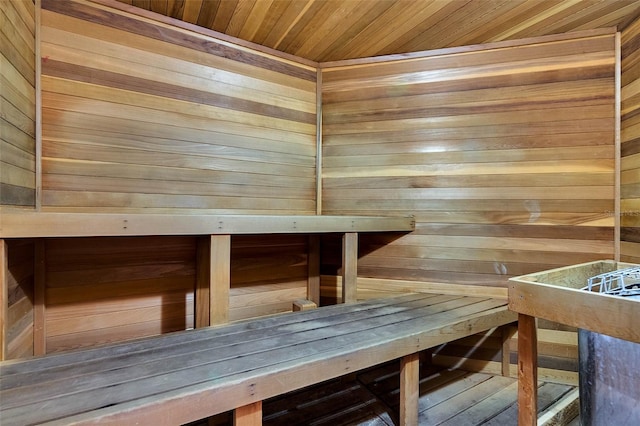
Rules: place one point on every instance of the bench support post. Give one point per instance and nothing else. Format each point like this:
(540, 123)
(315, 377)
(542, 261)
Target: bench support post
(313, 280)
(4, 298)
(248, 415)
(350, 267)
(527, 371)
(507, 332)
(409, 389)
(39, 306)
(213, 280)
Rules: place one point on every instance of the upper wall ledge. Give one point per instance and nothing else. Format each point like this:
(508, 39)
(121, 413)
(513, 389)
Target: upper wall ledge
(35, 225)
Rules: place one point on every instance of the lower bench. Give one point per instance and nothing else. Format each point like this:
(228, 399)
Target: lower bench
(185, 376)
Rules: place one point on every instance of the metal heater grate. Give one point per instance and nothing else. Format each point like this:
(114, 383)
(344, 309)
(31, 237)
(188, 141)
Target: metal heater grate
(623, 282)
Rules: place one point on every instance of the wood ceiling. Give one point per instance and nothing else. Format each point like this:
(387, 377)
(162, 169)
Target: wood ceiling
(329, 30)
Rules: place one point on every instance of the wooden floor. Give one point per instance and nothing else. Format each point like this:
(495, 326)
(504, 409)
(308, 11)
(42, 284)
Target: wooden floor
(448, 397)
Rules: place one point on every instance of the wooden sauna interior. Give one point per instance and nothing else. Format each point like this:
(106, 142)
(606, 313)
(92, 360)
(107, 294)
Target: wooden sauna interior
(508, 130)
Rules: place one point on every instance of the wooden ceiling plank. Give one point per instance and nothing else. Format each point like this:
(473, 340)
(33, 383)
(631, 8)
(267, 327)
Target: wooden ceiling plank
(276, 11)
(309, 14)
(590, 11)
(505, 13)
(191, 10)
(528, 28)
(207, 13)
(239, 17)
(611, 17)
(159, 6)
(371, 29)
(255, 19)
(175, 8)
(631, 19)
(143, 4)
(314, 25)
(224, 15)
(286, 21)
(330, 50)
(466, 18)
(411, 16)
(333, 27)
(569, 16)
(526, 10)
(426, 27)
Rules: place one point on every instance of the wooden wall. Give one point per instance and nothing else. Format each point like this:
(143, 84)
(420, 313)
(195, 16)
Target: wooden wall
(101, 290)
(504, 153)
(17, 171)
(267, 274)
(17, 97)
(630, 145)
(154, 116)
(141, 115)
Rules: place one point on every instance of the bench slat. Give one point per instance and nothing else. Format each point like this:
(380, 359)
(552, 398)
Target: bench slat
(219, 379)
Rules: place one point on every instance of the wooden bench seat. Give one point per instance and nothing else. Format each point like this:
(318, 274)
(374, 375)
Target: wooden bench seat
(185, 376)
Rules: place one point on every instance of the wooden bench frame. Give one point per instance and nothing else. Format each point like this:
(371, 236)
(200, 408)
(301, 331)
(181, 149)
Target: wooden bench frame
(244, 389)
(270, 356)
(213, 254)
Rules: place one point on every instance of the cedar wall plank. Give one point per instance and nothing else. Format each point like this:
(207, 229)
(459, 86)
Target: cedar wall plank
(630, 145)
(17, 103)
(141, 116)
(506, 158)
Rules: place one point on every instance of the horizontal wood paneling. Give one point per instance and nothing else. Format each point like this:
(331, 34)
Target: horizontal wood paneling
(17, 103)
(267, 274)
(145, 116)
(630, 145)
(109, 289)
(505, 157)
(100, 290)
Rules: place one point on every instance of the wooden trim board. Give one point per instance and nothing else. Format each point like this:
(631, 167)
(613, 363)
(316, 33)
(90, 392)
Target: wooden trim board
(35, 225)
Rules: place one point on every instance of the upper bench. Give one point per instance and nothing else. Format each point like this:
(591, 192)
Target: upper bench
(36, 225)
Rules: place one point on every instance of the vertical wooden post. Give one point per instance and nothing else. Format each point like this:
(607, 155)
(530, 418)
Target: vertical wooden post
(313, 262)
(318, 142)
(617, 205)
(409, 389)
(4, 298)
(507, 333)
(220, 270)
(38, 104)
(350, 267)
(248, 415)
(203, 282)
(527, 371)
(39, 302)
